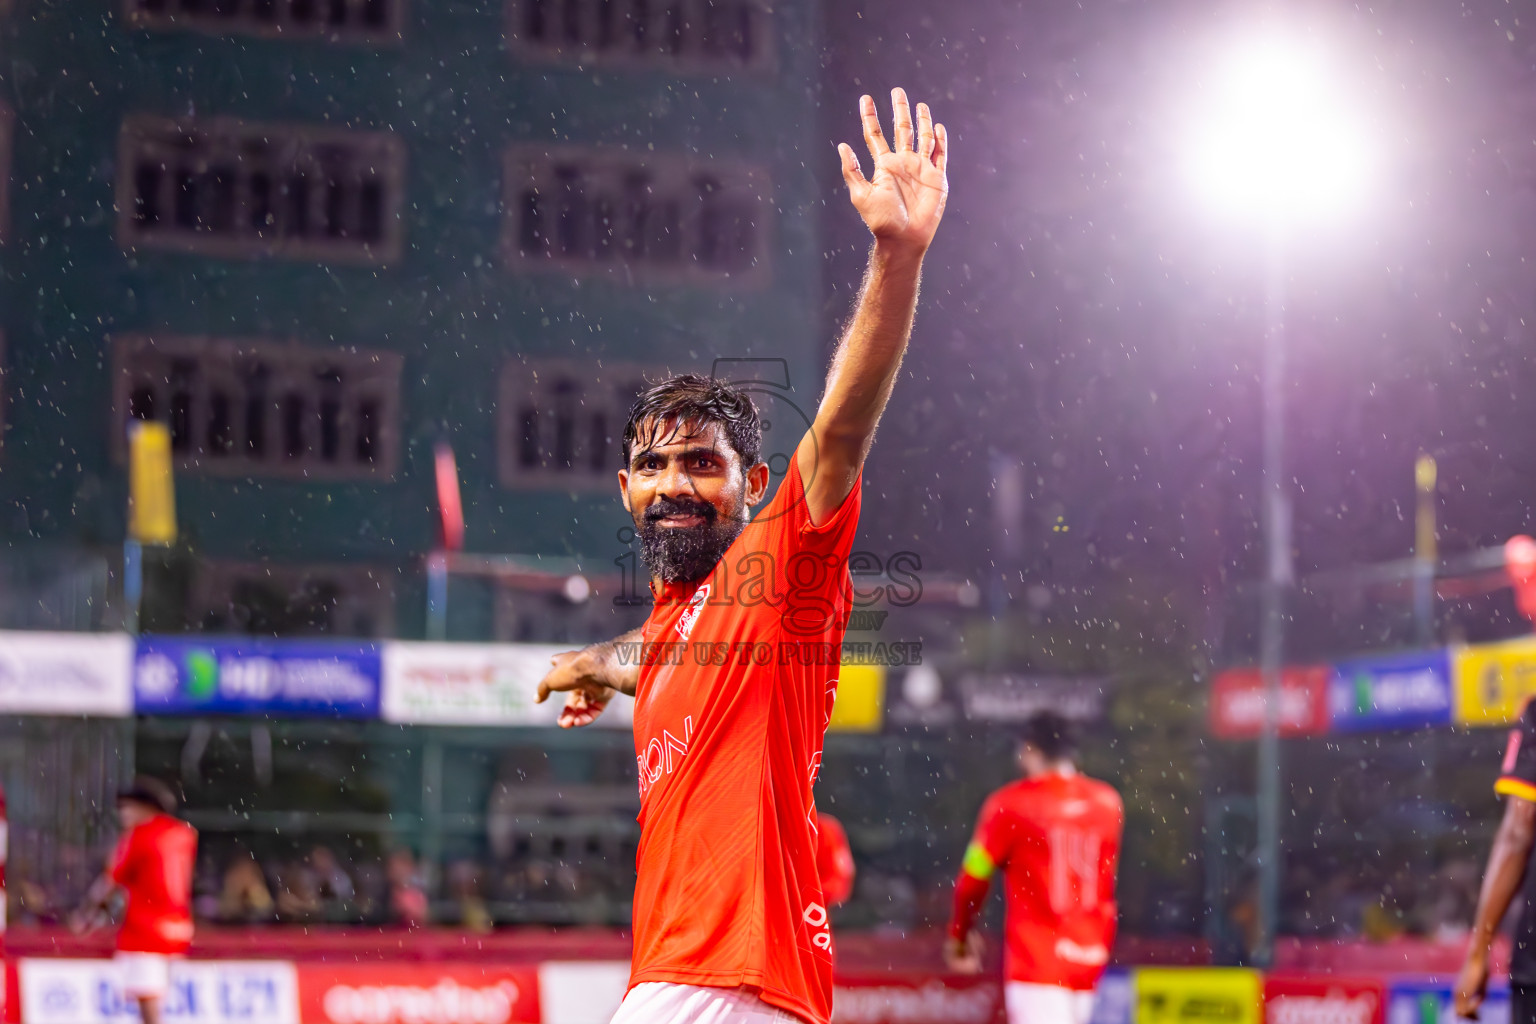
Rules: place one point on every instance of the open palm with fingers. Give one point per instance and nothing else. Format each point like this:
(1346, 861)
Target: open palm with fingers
(902, 201)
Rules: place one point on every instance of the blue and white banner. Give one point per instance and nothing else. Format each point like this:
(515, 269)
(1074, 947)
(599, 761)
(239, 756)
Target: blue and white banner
(256, 677)
(1394, 691)
(1414, 1001)
(59, 991)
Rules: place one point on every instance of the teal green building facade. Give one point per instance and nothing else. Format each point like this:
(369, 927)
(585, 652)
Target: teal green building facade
(388, 185)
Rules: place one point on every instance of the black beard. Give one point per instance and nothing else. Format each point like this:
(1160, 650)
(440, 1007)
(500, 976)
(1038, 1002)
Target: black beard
(685, 554)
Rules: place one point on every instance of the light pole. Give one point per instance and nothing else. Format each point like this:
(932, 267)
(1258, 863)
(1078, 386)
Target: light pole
(1275, 147)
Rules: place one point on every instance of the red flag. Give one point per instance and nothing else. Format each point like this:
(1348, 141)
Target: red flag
(450, 506)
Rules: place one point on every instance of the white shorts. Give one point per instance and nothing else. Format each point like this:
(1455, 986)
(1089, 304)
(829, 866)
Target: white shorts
(145, 975)
(1046, 1004)
(664, 1002)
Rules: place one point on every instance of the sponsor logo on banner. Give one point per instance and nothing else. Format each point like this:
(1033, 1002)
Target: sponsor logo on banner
(407, 993)
(475, 684)
(908, 999)
(1237, 702)
(66, 674)
(581, 991)
(58, 991)
(1182, 995)
(1392, 692)
(256, 677)
(1002, 698)
(1493, 681)
(1300, 999)
(1412, 1002)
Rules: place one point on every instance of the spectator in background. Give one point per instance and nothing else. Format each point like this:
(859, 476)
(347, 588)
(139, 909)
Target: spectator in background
(333, 885)
(834, 859)
(298, 892)
(464, 887)
(245, 897)
(407, 891)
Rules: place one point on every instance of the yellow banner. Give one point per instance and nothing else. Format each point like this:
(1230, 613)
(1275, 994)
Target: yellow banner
(151, 497)
(1493, 681)
(1186, 995)
(860, 705)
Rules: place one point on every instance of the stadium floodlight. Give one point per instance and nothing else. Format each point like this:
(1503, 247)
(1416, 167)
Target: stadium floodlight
(1274, 139)
(1274, 142)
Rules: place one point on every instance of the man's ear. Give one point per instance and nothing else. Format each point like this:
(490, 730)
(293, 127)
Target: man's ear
(757, 483)
(624, 490)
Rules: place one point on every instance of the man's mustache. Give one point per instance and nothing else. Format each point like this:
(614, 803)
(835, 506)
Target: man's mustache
(668, 507)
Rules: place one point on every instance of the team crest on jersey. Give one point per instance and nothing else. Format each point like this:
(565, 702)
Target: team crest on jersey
(691, 613)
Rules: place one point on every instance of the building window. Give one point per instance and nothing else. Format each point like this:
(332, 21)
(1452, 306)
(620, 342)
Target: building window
(255, 409)
(236, 189)
(708, 35)
(638, 217)
(345, 21)
(560, 423)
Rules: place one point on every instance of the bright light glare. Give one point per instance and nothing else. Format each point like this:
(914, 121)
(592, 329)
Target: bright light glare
(1275, 140)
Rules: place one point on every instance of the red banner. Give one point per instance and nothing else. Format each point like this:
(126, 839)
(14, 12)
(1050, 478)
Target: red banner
(417, 993)
(1323, 999)
(1237, 702)
(917, 999)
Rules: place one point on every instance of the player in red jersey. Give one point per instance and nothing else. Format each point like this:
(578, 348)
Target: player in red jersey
(153, 866)
(734, 686)
(1056, 836)
(834, 859)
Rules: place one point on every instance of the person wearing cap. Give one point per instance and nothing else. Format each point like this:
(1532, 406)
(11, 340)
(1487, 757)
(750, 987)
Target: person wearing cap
(152, 865)
(1055, 836)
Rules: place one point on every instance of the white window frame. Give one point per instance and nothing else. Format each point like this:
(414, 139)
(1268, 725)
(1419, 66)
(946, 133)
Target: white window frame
(623, 179)
(654, 49)
(309, 148)
(294, 369)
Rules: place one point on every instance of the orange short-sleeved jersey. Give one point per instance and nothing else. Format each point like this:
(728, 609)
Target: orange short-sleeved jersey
(731, 708)
(1056, 839)
(153, 862)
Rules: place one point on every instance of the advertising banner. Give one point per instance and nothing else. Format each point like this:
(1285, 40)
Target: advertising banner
(257, 677)
(59, 991)
(1114, 1000)
(860, 703)
(1323, 999)
(1395, 691)
(1421, 1002)
(1493, 681)
(581, 991)
(476, 684)
(1009, 699)
(916, 998)
(1237, 702)
(1178, 995)
(418, 993)
(66, 674)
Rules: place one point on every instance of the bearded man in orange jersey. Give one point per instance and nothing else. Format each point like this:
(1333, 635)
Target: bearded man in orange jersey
(730, 921)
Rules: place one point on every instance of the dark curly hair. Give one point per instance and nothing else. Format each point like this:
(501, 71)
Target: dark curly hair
(1051, 734)
(692, 401)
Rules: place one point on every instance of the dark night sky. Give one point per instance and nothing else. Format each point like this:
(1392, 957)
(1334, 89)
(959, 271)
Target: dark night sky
(1079, 316)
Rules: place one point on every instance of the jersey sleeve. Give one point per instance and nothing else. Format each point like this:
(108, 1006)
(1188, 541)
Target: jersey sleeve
(787, 517)
(1518, 775)
(991, 843)
(121, 866)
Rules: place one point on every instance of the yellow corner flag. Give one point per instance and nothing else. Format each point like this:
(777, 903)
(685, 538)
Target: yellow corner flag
(151, 496)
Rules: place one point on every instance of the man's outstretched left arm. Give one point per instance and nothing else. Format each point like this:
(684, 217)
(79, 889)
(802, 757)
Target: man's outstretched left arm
(901, 202)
